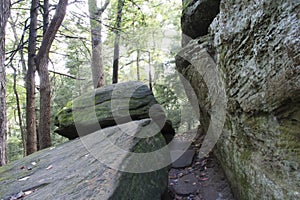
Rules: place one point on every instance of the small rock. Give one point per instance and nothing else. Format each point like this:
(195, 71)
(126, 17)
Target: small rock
(184, 160)
(180, 174)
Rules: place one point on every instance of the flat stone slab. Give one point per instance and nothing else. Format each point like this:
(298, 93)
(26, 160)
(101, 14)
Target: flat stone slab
(187, 184)
(96, 166)
(176, 145)
(184, 160)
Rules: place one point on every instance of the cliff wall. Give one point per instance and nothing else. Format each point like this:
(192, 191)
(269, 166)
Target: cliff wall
(255, 46)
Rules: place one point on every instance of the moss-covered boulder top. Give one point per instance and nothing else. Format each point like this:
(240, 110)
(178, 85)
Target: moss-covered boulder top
(104, 107)
(89, 168)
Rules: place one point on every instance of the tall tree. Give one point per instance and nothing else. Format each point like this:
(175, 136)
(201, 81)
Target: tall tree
(95, 23)
(31, 141)
(17, 45)
(19, 110)
(138, 64)
(117, 41)
(4, 14)
(45, 16)
(41, 61)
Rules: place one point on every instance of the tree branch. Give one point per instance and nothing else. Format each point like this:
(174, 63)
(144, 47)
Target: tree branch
(52, 30)
(66, 75)
(102, 9)
(139, 8)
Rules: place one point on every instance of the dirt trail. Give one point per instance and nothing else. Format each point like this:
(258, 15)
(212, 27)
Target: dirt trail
(203, 179)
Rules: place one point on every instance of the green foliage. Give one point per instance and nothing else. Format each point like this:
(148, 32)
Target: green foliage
(166, 96)
(169, 101)
(151, 28)
(14, 148)
(14, 141)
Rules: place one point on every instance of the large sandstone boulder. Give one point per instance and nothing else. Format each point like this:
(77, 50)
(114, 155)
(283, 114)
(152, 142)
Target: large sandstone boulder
(108, 106)
(255, 46)
(88, 168)
(196, 18)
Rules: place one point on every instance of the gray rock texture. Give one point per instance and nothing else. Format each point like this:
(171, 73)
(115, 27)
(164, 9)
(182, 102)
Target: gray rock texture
(183, 161)
(256, 48)
(187, 184)
(196, 18)
(108, 106)
(86, 168)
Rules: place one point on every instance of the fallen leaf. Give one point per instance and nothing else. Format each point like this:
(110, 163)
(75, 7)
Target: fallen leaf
(172, 176)
(49, 167)
(24, 179)
(28, 192)
(203, 179)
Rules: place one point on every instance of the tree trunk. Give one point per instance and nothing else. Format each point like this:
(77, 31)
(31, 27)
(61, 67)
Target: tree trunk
(150, 72)
(31, 143)
(95, 23)
(4, 13)
(19, 112)
(138, 65)
(117, 41)
(18, 42)
(41, 61)
(23, 63)
(45, 16)
(45, 90)
(45, 102)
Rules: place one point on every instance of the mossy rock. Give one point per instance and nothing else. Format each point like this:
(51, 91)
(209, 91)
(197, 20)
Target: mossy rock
(105, 107)
(91, 168)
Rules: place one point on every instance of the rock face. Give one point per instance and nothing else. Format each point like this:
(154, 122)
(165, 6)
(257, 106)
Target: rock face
(255, 46)
(86, 168)
(196, 18)
(108, 106)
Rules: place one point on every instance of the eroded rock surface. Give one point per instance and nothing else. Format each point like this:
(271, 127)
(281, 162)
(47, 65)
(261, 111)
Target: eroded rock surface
(86, 168)
(108, 106)
(256, 47)
(196, 18)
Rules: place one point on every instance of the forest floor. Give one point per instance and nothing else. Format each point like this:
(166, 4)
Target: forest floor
(200, 179)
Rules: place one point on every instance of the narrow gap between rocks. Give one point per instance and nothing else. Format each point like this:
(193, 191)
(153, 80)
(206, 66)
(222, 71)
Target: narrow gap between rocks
(191, 178)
